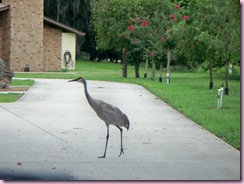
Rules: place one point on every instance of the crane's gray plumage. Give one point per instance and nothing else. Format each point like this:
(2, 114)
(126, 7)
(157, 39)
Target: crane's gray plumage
(110, 114)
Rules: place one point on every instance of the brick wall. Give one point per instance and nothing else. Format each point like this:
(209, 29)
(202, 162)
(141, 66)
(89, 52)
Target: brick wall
(52, 49)
(5, 39)
(26, 34)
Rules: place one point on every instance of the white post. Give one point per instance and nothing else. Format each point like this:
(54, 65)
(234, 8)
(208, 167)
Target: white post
(220, 98)
(168, 66)
(230, 69)
(168, 77)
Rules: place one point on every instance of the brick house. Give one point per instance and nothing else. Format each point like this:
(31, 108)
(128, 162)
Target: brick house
(31, 42)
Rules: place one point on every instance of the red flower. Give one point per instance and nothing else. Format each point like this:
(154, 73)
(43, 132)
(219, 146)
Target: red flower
(144, 23)
(177, 6)
(185, 17)
(131, 28)
(175, 19)
(163, 39)
(136, 41)
(152, 54)
(171, 16)
(138, 19)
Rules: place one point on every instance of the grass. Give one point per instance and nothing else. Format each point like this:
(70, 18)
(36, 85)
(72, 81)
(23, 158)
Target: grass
(188, 93)
(12, 97)
(26, 82)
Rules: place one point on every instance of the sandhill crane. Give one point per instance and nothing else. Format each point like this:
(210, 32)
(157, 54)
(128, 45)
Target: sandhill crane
(110, 114)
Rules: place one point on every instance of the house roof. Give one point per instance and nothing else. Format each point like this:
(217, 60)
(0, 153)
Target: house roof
(63, 26)
(4, 7)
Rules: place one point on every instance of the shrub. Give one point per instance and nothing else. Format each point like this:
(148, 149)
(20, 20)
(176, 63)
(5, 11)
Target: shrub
(220, 73)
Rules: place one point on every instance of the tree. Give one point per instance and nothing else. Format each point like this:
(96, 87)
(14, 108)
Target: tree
(159, 36)
(137, 34)
(74, 13)
(109, 20)
(229, 33)
(215, 26)
(113, 17)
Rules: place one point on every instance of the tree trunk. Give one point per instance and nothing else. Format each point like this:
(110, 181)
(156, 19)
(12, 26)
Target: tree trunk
(153, 71)
(145, 74)
(168, 66)
(136, 57)
(211, 71)
(227, 78)
(137, 67)
(58, 9)
(161, 72)
(227, 56)
(124, 68)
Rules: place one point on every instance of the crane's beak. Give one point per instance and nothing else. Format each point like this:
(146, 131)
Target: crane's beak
(73, 80)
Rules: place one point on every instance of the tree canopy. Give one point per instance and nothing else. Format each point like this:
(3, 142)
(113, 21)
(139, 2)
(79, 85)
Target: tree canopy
(200, 31)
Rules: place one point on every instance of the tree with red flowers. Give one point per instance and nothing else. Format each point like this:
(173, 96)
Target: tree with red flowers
(160, 37)
(112, 18)
(137, 32)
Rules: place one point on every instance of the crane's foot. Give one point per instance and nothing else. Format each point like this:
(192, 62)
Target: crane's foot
(121, 151)
(102, 156)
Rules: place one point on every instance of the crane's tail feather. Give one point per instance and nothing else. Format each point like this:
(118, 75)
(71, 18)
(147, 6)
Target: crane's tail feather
(126, 122)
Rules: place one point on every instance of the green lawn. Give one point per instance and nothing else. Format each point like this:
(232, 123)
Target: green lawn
(188, 93)
(26, 82)
(12, 97)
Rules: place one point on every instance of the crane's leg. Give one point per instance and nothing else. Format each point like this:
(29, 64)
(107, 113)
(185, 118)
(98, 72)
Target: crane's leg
(104, 155)
(121, 149)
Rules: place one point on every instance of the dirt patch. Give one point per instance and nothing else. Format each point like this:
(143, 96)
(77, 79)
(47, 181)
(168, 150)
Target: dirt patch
(15, 88)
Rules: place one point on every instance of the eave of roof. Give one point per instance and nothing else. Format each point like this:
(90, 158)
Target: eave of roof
(63, 26)
(4, 7)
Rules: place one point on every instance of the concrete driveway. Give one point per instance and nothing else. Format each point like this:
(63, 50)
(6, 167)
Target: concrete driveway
(52, 133)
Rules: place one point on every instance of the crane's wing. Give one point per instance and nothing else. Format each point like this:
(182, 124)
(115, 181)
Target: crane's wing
(111, 114)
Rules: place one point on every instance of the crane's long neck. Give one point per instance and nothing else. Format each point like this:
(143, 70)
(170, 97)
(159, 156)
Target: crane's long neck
(86, 91)
(90, 100)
